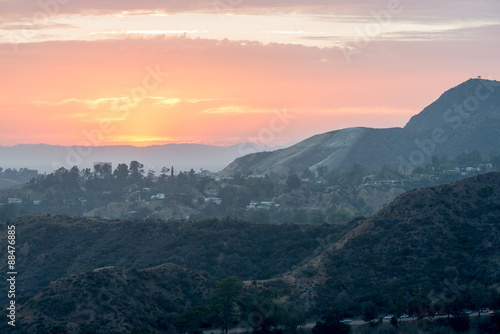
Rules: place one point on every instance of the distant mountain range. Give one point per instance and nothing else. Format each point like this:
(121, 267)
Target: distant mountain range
(183, 157)
(464, 118)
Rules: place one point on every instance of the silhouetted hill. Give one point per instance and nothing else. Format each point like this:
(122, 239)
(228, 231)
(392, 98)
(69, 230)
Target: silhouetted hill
(465, 118)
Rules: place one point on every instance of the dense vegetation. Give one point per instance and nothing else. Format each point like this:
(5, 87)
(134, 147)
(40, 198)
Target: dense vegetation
(57, 246)
(11, 177)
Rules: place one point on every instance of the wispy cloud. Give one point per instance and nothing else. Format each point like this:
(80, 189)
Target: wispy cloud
(150, 32)
(92, 104)
(26, 25)
(319, 23)
(114, 103)
(235, 110)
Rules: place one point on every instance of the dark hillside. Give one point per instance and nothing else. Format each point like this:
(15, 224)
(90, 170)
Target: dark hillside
(114, 300)
(430, 240)
(51, 247)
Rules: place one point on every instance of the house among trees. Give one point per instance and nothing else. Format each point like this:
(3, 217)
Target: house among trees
(256, 176)
(14, 200)
(204, 173)
(223, 178)
(262, 206)
(215, 200)
(158, 196)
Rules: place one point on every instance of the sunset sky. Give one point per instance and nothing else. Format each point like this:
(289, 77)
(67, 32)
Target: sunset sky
(91, 72)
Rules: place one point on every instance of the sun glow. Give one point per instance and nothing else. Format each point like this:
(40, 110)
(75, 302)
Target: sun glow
(88, 68)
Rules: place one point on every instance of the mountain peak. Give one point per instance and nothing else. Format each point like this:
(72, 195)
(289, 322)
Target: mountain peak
(472, 99)
(465, 117)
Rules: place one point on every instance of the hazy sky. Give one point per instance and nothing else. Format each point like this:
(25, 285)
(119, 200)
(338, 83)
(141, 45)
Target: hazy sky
(82, 72)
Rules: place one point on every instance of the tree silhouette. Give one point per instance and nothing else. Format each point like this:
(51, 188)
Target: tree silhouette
(121, 171)
(294, 317)
(224, 301)
(369, 311)
(164, 173)
(293, 181)
(136, 170)
(479, 295)
(191, 320)
(331, 324)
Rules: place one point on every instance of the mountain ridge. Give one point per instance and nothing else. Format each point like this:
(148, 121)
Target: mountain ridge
(464, 118)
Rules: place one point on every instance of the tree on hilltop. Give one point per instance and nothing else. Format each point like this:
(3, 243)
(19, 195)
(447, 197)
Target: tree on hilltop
(136, 170)
(121, 171)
